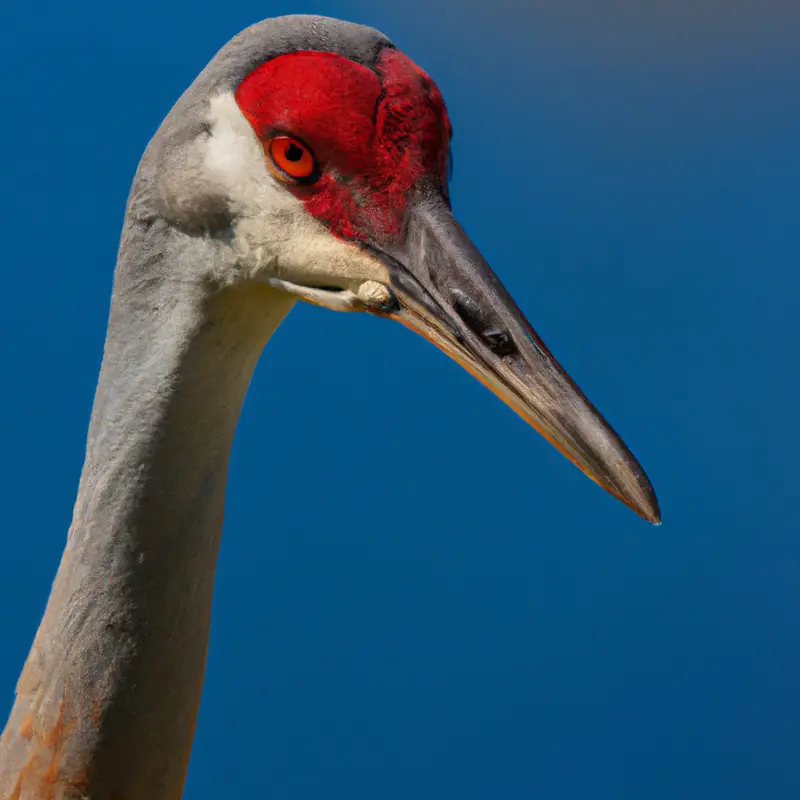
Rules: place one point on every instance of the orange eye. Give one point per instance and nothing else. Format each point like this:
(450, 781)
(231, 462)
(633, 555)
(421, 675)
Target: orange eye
(293, 159)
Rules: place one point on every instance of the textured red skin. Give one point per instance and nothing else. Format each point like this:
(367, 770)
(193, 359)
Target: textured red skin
(375, 134)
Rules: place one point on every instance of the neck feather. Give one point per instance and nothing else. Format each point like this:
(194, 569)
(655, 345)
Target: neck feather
(108, 698)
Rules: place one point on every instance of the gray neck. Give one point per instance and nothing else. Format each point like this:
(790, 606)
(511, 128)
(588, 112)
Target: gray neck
(107, 701)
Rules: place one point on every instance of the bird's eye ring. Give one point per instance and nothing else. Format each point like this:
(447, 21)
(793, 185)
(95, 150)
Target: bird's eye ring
(293, 159)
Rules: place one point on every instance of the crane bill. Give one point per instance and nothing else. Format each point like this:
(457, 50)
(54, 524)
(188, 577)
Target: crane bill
(447, 292)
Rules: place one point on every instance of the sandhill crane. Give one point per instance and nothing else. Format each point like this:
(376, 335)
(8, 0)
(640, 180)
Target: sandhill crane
(308, 160)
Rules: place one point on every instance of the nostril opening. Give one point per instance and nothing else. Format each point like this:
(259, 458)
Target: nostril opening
(500, 342)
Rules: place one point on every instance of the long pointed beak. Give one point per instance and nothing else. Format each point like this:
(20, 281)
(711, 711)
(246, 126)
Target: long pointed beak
(447, 292)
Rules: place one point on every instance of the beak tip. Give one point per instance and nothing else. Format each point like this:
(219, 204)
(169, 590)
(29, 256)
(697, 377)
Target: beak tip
(647, 507)
(654, 517)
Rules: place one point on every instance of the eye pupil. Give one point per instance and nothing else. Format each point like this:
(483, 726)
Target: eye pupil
(293, 159)
(293, 152)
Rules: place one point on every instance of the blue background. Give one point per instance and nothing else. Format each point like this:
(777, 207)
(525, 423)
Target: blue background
(395, 617)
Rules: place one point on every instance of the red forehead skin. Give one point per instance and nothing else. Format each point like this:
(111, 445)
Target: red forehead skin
(375, 134)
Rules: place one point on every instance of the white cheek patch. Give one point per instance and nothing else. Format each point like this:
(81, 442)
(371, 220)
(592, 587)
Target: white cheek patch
(235, 157)
(274, 234)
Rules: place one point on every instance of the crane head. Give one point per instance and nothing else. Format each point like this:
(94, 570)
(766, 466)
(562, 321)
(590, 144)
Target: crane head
(316, 155)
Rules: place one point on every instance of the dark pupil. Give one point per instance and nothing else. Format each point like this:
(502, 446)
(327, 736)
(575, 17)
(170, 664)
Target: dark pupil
(293, 152)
